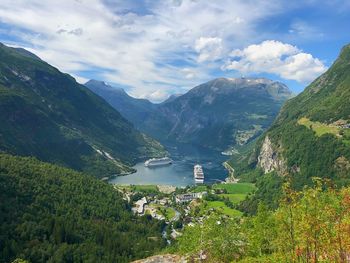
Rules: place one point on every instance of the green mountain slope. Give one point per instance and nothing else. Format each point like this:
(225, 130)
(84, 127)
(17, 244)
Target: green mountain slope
(54, 214)
(219, 114)
(47, 114)
(309, 138)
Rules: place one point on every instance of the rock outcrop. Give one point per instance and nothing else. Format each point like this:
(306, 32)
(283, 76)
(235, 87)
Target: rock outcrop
(167, 258)
(270, 160)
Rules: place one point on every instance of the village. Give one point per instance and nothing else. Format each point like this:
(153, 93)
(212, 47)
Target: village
(186, 206)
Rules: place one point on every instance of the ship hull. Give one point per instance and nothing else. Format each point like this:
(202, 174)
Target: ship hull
(159, 164)
(198, 174)
(198, 181)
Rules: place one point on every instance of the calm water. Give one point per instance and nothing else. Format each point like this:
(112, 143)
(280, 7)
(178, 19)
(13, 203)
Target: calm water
(180, 173)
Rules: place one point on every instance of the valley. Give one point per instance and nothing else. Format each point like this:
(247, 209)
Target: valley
(180, 172)
(218, 115)
(174, 131)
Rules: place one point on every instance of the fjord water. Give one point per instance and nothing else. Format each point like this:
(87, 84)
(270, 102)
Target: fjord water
(180, 173)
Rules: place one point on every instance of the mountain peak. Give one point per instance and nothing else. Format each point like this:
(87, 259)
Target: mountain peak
(98, 84)
(244, 82)
(343, 59)
(19, 50)
(345, 52)
(277, 90)
(171, 98)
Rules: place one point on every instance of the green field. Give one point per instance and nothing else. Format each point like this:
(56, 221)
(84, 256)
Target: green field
(167, 212)
(321, 128)
(234, 192)
(318, 127)
(221, 208)
(239, 188)
(234, 198)
(199, 188)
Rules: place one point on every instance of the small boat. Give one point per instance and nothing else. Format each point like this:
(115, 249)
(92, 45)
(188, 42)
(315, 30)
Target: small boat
(198, 174)
(158, 162)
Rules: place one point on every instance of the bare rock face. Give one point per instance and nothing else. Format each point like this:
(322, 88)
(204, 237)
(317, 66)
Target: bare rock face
(270, 160)
(167, 258)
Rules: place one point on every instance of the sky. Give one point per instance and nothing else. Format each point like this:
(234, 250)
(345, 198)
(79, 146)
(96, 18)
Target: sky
(155, 48)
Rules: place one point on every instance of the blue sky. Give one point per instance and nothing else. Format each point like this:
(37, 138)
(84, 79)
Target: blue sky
(154, 48)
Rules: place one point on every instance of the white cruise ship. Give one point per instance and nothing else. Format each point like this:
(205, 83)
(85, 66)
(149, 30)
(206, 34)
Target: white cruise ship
(198, 174)
(158, 162)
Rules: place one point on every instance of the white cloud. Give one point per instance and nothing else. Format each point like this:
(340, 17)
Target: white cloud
(303, 30)
(145, 50)
(189, 73)
(270, 56)
(79, 79)
(157, 96)
(209, 48)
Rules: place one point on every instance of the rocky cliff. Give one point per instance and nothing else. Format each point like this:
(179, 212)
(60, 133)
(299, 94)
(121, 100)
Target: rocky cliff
(270, 159)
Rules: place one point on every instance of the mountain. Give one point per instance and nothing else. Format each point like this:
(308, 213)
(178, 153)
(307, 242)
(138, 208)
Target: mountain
(218, 114)
(47, 114)
(309, 138)
(134, 110)
(54, 214)
(171, 98)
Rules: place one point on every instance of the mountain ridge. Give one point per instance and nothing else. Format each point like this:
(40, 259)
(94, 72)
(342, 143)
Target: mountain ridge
(47, 114)
(309, 138)
(188, 115)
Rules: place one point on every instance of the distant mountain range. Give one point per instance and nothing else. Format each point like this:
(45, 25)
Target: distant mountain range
(134, 110)
(219, 114)
(47, 114)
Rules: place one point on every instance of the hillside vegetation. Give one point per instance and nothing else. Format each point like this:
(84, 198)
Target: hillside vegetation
(47, 114)
(53, 214)
(310, 137)
(312, 225)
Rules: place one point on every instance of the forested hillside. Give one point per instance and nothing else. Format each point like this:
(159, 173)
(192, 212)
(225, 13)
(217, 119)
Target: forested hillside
(47, 114)
(53, 214)
(310, 137)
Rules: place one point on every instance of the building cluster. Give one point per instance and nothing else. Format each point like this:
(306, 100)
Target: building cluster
(188, 197)
(139, 207)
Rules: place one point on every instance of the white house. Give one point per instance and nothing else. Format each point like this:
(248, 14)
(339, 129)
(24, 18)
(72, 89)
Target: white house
(139, 206)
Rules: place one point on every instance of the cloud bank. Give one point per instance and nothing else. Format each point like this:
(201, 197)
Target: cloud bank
(278, 58)
(153, 48)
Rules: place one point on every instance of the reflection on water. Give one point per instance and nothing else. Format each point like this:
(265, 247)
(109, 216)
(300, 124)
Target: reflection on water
(180, 173)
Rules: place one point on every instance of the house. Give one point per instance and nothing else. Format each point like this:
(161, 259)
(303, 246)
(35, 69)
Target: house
(184, 198)
(139, 206)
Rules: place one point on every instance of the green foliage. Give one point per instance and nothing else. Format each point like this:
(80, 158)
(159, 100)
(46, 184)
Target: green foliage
(234, 198)
(305, 137)
(236, 188)
(319, 128)
(53, 214)
(47, 114)
(324, 101)
(309, 226)
(220, 207)
(220, 240)
(199, 188)
(269, 190)
(261, 232)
